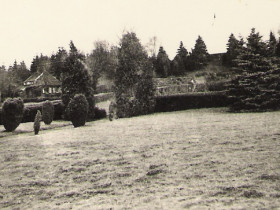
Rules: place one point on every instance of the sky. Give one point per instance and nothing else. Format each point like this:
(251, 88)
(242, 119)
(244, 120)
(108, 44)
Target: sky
(32, 27)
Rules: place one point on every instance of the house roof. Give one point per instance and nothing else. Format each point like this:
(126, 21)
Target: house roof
(44, 78)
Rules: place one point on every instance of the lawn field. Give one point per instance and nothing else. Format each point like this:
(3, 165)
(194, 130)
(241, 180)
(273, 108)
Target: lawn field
(194, 159)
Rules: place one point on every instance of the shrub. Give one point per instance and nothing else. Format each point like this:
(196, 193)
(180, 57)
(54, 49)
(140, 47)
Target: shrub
(47, 112)
(191, 101)
(99, 113)
(37, 122)
(12, 113)
(78, 110)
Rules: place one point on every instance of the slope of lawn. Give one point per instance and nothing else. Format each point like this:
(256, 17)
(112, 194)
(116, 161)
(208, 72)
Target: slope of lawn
(198, 159)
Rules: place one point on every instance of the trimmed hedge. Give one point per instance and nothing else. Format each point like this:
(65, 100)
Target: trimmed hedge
(12, 113)
(30, 111)
(191, 101)
(47, 112)
(78, 110)
(99, 113)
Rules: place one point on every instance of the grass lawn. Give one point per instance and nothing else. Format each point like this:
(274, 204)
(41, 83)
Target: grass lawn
(198, 159)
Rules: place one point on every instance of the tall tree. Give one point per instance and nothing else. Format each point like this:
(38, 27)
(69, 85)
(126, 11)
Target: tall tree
(234, 48)
(199, 55)
(76, 79)
(102, 61)
(255, 43)
(277, 49)
(40, 64)
(180, 63)
(272, 44)
(162, 66)
(57, 66)
(134, 85)
(257, 86)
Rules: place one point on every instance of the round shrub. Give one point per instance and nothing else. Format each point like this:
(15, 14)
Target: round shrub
(78, 110)
(47, 112)
(12, 113)
(37, 122)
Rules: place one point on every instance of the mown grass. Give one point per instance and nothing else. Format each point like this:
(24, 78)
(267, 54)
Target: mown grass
(205, 158)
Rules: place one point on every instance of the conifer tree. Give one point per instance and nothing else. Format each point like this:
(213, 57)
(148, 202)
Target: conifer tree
(257, 87)
(133, 75)
(162, 67)
(272, 44)
(76, 79)
(58, 63)
(234, 47)
(199, 55)
(277, 48)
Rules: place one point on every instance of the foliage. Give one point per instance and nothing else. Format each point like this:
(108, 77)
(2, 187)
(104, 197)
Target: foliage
(272, 43)
(180, 63)
(99, 113)
(199, 55)
(57, 66)
(234, 47)
(190, 101)
(102, 62)
(37, 122)
(40, 64)
(78, 110)
(277, 48)
(162, 66)
(76, 79)
(257, 86)
(47, 112)
(12, 113)
(134, 72)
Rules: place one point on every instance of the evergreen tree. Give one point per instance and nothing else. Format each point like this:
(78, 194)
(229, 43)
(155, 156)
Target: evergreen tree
(40, 64)
(199, 55)
(234, 47)
(162, 66)
(134, 85)
(257, 87)
(277, 48)
(58, 63)
(272, 44)
(254, 57)
(255, 43)
(76, 79)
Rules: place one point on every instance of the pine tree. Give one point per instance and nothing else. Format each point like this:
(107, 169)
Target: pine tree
(199, 55)
(272, 44)
(255, 43)
(162, 67)
(234, 47)
(257, 87)
(277, 49)
(76, 79)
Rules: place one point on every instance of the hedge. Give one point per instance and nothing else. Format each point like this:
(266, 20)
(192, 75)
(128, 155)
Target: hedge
(191, 101)
(30, 111)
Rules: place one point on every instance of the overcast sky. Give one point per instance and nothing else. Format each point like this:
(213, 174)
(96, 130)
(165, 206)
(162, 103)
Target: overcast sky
(31, 27)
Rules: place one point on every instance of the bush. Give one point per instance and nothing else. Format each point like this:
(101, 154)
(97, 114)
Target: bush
(12, 113)
(47, 112)
(191, 101)
(99, 113)
(78, 110)
(37, 122)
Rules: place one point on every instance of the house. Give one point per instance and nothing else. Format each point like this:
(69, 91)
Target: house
(41, 84)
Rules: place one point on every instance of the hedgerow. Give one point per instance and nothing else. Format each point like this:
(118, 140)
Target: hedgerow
(12, 113)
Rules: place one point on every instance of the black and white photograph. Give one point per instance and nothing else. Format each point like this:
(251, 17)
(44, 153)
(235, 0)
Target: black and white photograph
(140, 104)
